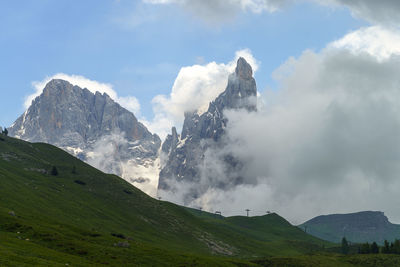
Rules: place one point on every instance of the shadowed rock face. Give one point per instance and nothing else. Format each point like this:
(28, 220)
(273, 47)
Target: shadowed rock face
(365, 226)
(75, 119)
(201, 131)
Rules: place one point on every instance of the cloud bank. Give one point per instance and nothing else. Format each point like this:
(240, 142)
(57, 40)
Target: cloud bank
(110, 154)
(326, 142)
(130, 103)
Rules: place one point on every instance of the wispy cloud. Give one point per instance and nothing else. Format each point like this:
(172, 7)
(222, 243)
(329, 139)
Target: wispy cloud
(216, 11)
(384, 12)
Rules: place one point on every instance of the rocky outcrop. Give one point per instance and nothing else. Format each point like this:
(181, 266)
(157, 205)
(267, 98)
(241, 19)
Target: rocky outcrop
(185, 153)
(78, 121)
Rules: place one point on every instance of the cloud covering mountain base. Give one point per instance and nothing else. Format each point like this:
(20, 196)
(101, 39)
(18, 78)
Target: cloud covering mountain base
(326, 142)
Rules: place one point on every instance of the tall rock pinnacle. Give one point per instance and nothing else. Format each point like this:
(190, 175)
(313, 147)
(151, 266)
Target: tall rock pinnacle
(200, 132)
(241, 91)
(243, 69)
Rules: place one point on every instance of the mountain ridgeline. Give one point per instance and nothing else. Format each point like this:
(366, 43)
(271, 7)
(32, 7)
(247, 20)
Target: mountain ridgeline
(96, 129)
(90, 126)
(360, 227)
(186, 152)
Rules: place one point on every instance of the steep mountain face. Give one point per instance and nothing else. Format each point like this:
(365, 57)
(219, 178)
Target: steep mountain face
(366, 226)
(90, 126)
(185, 163)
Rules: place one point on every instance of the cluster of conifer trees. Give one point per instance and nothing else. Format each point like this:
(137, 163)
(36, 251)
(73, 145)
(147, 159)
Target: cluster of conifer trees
(5, 131)
(373, 248)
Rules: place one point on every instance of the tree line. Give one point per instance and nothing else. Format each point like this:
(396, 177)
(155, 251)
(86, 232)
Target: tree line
(5, 131)
(373, 248)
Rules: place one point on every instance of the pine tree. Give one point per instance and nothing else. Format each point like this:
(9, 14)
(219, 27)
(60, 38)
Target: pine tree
(5, 131)
(345, 246)
(374, 248)
(365, 248)
(386, 248)
(396, 247)
(54, 171)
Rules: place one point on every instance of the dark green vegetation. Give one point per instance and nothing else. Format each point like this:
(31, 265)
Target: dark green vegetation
(345, 246)
(83, 217)
(387, 248)
(332, 260)
(4, 132)
(360, 227)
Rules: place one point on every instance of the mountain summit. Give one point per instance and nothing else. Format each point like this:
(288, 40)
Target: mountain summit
(241, 91)
(90, 126)
(185, 152)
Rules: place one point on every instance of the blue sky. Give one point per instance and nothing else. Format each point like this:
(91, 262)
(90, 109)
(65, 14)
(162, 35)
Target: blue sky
(140, 47)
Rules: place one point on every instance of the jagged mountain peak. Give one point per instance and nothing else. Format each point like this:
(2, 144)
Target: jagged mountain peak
(60, 86)
(202, 131)
(57, 82)
(56, 86)
(66, 107)
(243, 69)
(77, 120)
(241, 91)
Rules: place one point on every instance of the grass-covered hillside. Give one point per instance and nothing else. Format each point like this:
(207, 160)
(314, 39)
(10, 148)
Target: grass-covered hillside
(83, 217)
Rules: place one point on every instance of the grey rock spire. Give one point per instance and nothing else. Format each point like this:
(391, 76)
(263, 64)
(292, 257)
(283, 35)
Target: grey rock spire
(201, 131)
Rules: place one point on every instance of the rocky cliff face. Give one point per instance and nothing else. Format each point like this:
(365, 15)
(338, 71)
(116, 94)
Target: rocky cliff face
(366, 226)
(90, 126)
(185, 163)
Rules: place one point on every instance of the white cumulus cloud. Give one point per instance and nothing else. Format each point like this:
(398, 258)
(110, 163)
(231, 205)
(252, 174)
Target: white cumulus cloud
(376, 41)
(194, 88)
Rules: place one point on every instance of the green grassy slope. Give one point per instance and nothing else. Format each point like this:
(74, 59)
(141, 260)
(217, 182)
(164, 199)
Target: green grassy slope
(255, 232)
(87, 218)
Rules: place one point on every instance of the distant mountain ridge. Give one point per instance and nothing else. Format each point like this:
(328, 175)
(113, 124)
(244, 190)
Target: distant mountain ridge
(90, 126)
(365, 226)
